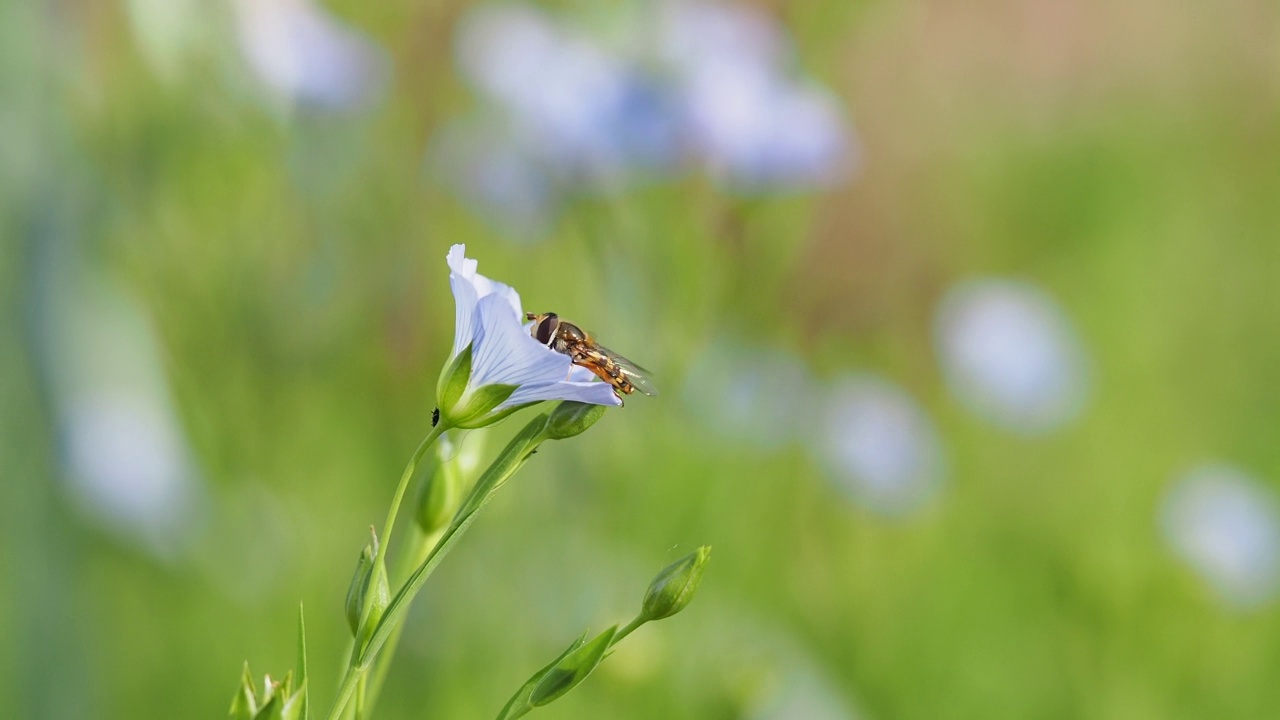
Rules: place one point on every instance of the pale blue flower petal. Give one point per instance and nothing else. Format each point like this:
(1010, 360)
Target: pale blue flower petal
(594, 392)
(579, 374)
(469, 287)
(504, 354)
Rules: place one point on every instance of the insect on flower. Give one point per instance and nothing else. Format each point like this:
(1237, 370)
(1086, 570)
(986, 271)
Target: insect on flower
(568, 339)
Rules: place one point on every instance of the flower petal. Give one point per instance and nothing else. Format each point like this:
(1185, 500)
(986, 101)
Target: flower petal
(505, 354)
(594, 392)
(469, 287)
(461, 281)
(579, 374)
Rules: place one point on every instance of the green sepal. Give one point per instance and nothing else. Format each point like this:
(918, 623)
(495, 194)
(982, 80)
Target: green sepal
(477, 410)
(494, 417)
(572, 669)
(674, 586)
(294, 707)
(245, 703)
(275, 695)
(453, 381)
(519, 704)
(571, 418)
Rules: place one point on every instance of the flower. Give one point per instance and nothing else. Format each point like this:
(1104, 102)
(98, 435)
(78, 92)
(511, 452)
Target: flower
(496, 367)
(1011, 355)
(305, 56)
(1224, 524)
(879, 445)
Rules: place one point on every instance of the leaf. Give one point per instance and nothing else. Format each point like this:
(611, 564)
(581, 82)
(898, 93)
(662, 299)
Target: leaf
(301, 669)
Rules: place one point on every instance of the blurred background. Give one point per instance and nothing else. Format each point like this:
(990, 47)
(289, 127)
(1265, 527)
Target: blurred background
(964, 317)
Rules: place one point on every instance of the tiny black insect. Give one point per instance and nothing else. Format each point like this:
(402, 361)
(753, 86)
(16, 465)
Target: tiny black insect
(435, 417)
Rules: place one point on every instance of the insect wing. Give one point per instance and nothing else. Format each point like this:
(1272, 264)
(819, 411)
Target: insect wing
(637, 375)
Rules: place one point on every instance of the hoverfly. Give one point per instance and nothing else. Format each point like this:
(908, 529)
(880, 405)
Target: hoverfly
(568, 339)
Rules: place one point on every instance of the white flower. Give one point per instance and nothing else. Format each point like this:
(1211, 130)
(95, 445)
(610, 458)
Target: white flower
(496, 366)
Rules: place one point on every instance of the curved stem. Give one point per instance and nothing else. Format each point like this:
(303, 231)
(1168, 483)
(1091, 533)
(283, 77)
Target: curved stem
(504, 466)
(354, 671)
(630, 628)
(407, 563)
(409, 470)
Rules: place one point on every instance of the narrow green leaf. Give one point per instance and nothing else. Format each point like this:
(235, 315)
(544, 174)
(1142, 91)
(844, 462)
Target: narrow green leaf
(301, 669)
(571, 670)
(519, 704)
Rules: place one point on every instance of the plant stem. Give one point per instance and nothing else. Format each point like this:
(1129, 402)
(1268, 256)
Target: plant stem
(630, 628)
(360, 696)
(426, 544)
(409, 470)
(504, 466)
(353, 671)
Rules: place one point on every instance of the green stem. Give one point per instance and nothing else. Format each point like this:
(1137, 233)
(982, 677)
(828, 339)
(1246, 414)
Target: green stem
(360, 696)
(504, 466)
(409, 470)
(353, 671)
(383, 666)
(512, 457)
(630, 628)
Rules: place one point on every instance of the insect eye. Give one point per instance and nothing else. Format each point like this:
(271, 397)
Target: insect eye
(547, 329)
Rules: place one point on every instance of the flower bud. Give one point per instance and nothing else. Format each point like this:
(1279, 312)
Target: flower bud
(245, 703)
(441, 488)
(674, 586)
(358, 591)
(279, 700)
(571, 418)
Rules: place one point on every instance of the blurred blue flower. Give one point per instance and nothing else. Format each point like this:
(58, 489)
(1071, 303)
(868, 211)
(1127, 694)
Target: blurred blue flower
(754, 125)
(878, 445)
(125, 455)
(497, 177)
(1009, 354)
(687, 83)
(1225, 525)
(569, 98)
(753, 396)
(306, 57)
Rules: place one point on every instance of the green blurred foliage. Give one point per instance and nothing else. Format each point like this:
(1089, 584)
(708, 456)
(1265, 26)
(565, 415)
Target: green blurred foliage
(1123, 156)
